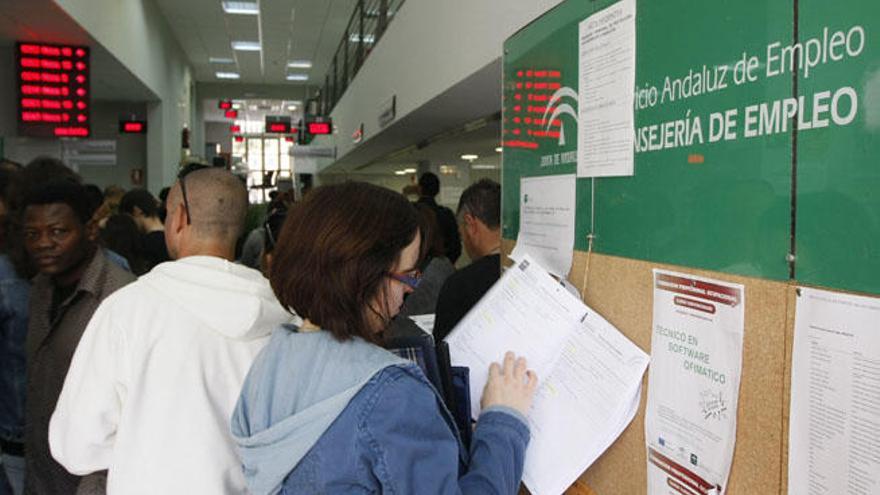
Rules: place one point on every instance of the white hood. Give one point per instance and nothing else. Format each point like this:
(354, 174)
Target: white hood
(231, 299)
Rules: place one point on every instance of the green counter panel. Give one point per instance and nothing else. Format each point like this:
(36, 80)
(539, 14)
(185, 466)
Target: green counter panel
(723, 205)
(838, 167)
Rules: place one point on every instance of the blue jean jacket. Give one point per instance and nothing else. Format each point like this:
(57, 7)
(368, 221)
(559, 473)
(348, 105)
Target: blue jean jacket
(14, 298)
(393, 438)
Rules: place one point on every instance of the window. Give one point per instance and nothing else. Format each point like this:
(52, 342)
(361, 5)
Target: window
(266, 158)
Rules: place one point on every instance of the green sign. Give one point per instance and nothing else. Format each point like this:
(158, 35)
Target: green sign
(731, 106)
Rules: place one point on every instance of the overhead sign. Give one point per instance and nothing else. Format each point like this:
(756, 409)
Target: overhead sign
(320, 128)
(133, 126)
(388, 111)
(278, 124)
(53, 90)
(312, 151)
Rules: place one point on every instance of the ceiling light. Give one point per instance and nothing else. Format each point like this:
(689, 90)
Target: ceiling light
(409, 170)
(236, 106)
(248, 8)
(400, 172)
(469, 157)
(220, 60)
(227, 75)
(246, 46)
(299, 64)
(356, 38)
(484, 166)
(499, 149)
(291, 108)
(297, 77)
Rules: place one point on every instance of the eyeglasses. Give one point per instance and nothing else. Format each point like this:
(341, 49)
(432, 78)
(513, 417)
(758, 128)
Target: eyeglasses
(192, 167)
(411, 279)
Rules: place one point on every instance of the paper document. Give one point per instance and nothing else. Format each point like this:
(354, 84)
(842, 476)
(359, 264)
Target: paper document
(546, 222)
(589, 373)
(834, 421)
(607, 61)
(424, 322)
(693, 385)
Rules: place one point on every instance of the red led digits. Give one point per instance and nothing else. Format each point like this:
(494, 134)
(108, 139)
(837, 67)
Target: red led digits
(48, 76)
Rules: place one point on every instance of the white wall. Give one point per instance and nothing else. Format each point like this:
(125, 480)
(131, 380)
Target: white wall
(429, 47)
(136, 33)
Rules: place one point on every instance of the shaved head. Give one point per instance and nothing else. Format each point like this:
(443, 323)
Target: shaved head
(217, 204)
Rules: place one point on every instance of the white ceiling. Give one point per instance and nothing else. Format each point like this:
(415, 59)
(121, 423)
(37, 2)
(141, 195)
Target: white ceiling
(288, 29)
(253, 109)
(445, 149)
(42, 20)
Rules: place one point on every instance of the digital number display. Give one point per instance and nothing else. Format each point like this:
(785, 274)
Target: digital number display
(53, 90)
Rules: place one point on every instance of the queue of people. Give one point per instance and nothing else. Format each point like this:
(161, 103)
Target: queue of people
(135, 367)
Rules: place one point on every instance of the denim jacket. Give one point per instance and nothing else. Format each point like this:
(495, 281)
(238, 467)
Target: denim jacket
(319, 416)
(14, 299)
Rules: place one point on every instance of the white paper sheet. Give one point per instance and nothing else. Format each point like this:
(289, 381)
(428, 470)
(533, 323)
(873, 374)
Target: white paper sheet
(526, 312)
(590, 374)
(834, 422)
(546, 222)
(425, 322)
(583, 406)
(693, 385)
(607, 61)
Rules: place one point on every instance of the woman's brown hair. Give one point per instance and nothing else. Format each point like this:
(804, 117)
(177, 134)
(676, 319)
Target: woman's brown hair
(335, 251)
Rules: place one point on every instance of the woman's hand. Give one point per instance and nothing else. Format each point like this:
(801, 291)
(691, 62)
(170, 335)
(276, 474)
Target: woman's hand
(511, 384)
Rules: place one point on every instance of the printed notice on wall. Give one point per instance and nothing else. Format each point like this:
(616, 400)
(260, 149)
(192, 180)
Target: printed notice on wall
(693, 384)
(607, 62)
(834, 428)
(546, 222)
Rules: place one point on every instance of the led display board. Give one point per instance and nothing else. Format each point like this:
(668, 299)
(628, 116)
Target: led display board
(133, 126)
(277, 124)
(53, 90)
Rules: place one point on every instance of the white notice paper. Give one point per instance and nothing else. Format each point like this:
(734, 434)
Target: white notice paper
(590, 374)
(607, 47)
(693, 385)
(546, 222)
(834, 428)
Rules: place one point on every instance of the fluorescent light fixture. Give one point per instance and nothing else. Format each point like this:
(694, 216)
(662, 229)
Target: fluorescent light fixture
(291, 108)
(236, 106)
(220, 60)
(297, 77)
(484, 166)
(400, 172)
(227, 75)
(356, 38)
(246, 46)
(409, 170)
(247, 8)
(469, 157)
(499, 149)
(299, 64)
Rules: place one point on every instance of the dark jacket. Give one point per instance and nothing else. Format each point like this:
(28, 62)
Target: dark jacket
(14, 296)
(448, 228)
(50, 347)
(463, 290)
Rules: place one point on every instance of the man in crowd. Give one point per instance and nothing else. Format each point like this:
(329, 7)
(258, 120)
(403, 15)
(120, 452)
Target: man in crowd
(144, 209)
(479, 216)
(153, 384)
(429, 187)
(74, 277)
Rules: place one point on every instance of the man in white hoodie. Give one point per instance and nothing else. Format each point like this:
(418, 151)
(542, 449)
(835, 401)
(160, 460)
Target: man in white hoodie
(154, 380)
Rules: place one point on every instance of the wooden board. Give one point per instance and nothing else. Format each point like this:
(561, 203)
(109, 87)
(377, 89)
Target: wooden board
(621, 290)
